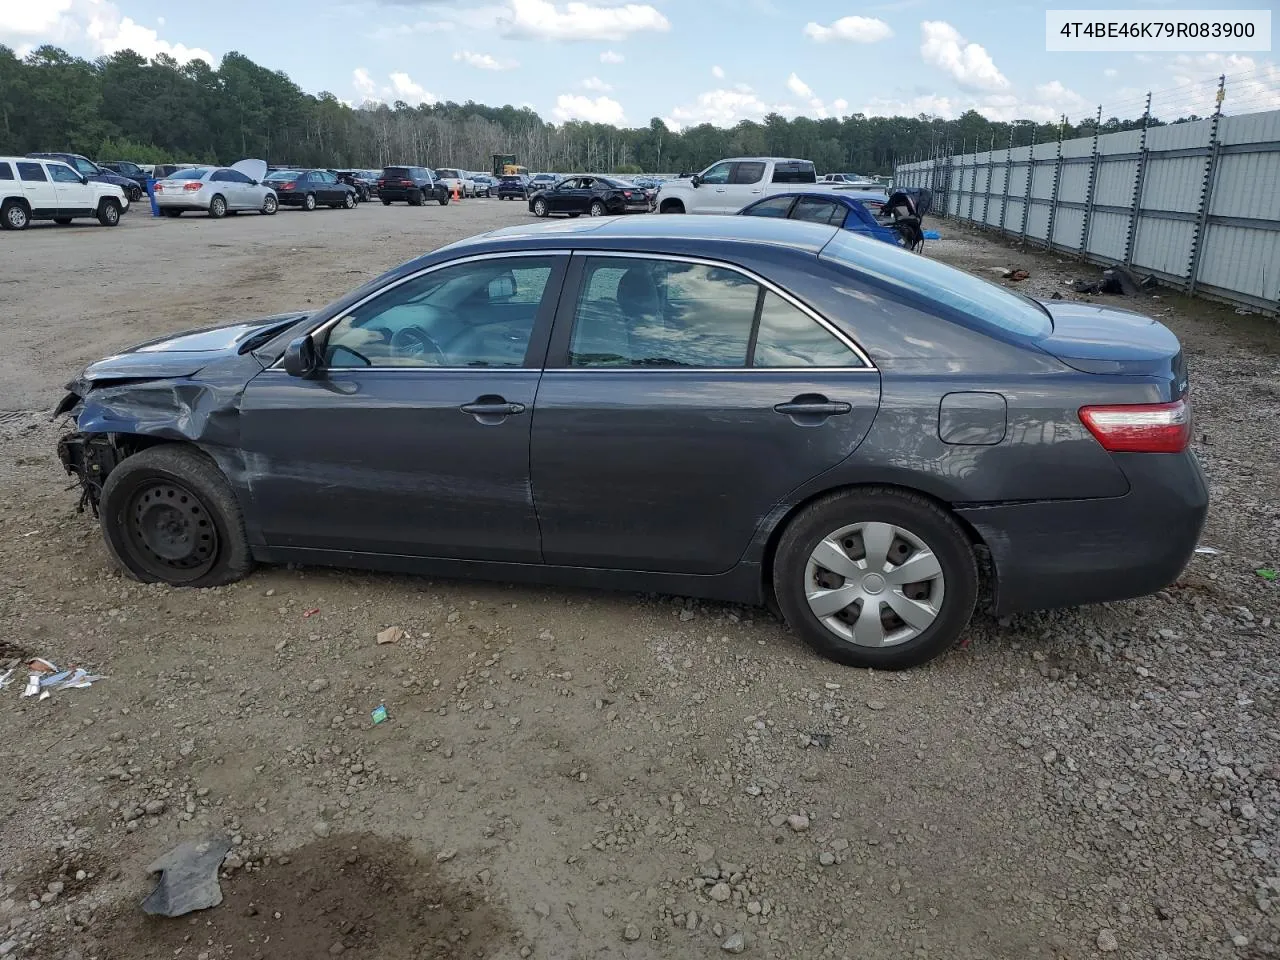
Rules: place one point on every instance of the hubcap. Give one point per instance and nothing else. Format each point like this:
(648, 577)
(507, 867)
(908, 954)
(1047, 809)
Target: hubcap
(171, 531)
(874, 584)
(17, 216)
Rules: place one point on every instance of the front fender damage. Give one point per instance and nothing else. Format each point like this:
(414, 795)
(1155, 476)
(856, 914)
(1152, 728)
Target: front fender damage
(114, 420)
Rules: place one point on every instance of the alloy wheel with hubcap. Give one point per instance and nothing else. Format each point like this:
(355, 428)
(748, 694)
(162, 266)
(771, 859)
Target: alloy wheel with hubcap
(349, 201)
(876, 577)
(309, 202)
(16, 217)
(109, 213)
(270, 205)
(597, 209)
(539, 208)
(874, 584)
(217, 207)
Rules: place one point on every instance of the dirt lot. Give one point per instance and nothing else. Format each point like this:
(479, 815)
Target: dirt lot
(569, 774)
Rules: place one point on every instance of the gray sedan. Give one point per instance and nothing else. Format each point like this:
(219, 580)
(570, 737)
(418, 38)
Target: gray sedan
(747, 409)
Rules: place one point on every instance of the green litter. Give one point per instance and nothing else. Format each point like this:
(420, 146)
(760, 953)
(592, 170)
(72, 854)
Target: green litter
(1268, 573)
(379, 714)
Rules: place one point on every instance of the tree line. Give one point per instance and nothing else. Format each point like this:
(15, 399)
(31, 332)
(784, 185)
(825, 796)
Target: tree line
(124, 107)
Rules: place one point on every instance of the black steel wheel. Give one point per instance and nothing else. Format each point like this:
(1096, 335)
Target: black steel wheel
(169, 515)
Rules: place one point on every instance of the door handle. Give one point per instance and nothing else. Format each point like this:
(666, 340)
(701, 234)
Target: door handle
(812, 405)
(492, 407)
(720, 190)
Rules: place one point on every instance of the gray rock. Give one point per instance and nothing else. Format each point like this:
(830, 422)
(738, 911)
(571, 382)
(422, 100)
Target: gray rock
(877, 705)
(542, 909)
(736, 943)
(826, 858)
(1107, 941)
(320, 828)
(315, 686)
(631, 933)
(154, 808)
(798, 822)
(720, 893)
(8, 947)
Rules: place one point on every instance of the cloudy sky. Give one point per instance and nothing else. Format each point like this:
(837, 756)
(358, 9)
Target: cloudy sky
(687, 61)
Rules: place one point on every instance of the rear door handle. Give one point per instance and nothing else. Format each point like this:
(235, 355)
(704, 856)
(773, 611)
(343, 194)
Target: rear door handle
(483, 408)
(813, 408)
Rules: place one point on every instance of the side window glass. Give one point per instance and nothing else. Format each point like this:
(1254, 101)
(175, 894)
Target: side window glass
(789, 337)
(85, 167)
(794, 171)
(218, 176)
(477, 314)
(61, 173)
(749, 172)
(773, 207)
(32, 173)
(718, 174)
(6, 172)
(637, 312)
(818, 211)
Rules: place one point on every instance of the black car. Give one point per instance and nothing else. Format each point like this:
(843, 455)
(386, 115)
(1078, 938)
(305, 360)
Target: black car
(511, 187)
(309, 189)
(414, 185)
(127, 168)
(87, 168)
(357, 181)
(596, 196)
(752, 409)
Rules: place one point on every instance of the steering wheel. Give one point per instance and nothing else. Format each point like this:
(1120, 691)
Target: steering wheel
(413, 342)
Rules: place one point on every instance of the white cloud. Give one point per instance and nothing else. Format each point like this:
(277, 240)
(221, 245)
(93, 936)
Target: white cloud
(798, 86)
(543, 20)
(1110, 72)
(483, 61)
(969, 63)
(840, 106)
(610, 56)
(408, 91)
(851, 29)
(596, 84)
(401, 87)
(95, 25)
(723, 108)
(1050, 101)
(574, 106)
(1251, 86)
(718, 72)
(383, 34)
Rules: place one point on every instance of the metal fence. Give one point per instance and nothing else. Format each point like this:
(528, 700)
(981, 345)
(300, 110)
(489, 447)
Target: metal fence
(1197, 205)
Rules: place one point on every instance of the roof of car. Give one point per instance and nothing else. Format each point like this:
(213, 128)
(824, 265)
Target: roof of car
(632, 232)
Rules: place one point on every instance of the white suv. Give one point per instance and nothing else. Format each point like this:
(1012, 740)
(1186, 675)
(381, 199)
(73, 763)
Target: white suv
(32, 189)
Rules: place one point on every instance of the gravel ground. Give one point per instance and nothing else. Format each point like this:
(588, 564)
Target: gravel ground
(575, 774)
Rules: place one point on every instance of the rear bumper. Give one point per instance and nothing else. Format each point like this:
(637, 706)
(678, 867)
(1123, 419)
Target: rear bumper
(1068, 552)
(396, 193)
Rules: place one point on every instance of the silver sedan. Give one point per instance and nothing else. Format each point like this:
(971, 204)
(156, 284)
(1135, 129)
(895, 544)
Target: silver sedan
(217, 190)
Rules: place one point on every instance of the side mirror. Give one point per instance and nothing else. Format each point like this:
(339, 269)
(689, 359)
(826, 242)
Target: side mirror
(502, 287)
(301, 358)
(254, 182)
(696, 180)
(84, 179)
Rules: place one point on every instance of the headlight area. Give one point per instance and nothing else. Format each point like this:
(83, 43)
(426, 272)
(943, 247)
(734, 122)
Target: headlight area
(89, 457)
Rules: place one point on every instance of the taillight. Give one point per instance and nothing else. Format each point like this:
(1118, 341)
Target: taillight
(627, 194)
(159, 187)
(192, 186)
(1140, 427)
(285, 186)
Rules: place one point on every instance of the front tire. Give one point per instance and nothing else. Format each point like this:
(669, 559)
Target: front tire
(15, 216)
(309, 202)
(444, 199)
(170, 516)
(270, 205)
(597, 209)
(349, 201)
(218, 207)
(540, 208)
(876, 578)
(134, 194)
(109, 213)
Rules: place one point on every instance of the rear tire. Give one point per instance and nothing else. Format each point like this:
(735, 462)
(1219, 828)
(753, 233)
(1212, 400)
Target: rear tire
(14, 215)
(170, 516)
(309, 202)
(270, 205)
(847, 546)
(444, 200)
(134, 194)
(415, 199)
(598, 209)
(386, 203)
(218, 207)
(109, 213)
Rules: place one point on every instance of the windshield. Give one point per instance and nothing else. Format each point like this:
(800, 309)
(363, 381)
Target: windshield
(198, 173)
(919, 278)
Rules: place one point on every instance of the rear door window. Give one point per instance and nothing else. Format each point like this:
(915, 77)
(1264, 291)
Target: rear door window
(32, 172)
(814, 210)
(794, 171)
(773, 207)
(789, 337)
(6, 172)
(748, 172)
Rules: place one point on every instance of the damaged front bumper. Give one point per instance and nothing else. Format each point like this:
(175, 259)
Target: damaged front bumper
(89, 457)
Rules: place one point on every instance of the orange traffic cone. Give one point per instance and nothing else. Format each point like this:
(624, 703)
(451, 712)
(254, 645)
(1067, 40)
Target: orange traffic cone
(455, 192)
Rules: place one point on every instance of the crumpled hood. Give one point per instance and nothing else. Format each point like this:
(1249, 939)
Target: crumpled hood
(183, 354)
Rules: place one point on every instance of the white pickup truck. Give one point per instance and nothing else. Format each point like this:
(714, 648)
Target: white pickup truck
(728, 186)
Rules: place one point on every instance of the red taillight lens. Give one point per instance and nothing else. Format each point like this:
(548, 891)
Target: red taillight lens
(285, 186)
(627, 194)
(192, 186)
(1140, 427)
(159, 187)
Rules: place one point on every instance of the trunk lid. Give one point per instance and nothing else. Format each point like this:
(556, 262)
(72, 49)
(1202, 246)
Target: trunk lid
(1104, 340)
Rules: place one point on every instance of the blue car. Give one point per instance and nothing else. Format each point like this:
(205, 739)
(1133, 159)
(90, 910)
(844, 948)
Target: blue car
(858, 211)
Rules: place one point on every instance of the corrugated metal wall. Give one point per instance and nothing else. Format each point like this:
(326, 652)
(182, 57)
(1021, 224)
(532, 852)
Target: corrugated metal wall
(1198, 210)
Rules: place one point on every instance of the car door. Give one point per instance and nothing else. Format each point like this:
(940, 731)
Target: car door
(715, 182)
(414, 440)
(242, 188)
(746, 185)
(560, 196)
(332, 192)
(682, 401)
(75, 197)
(41, 195)
(819, 210)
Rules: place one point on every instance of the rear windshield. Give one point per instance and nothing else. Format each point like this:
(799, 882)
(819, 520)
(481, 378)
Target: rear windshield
(448, 174)
(197, 174)
(794, 171)
(919, 278)
(395, 172)
(283, 175)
